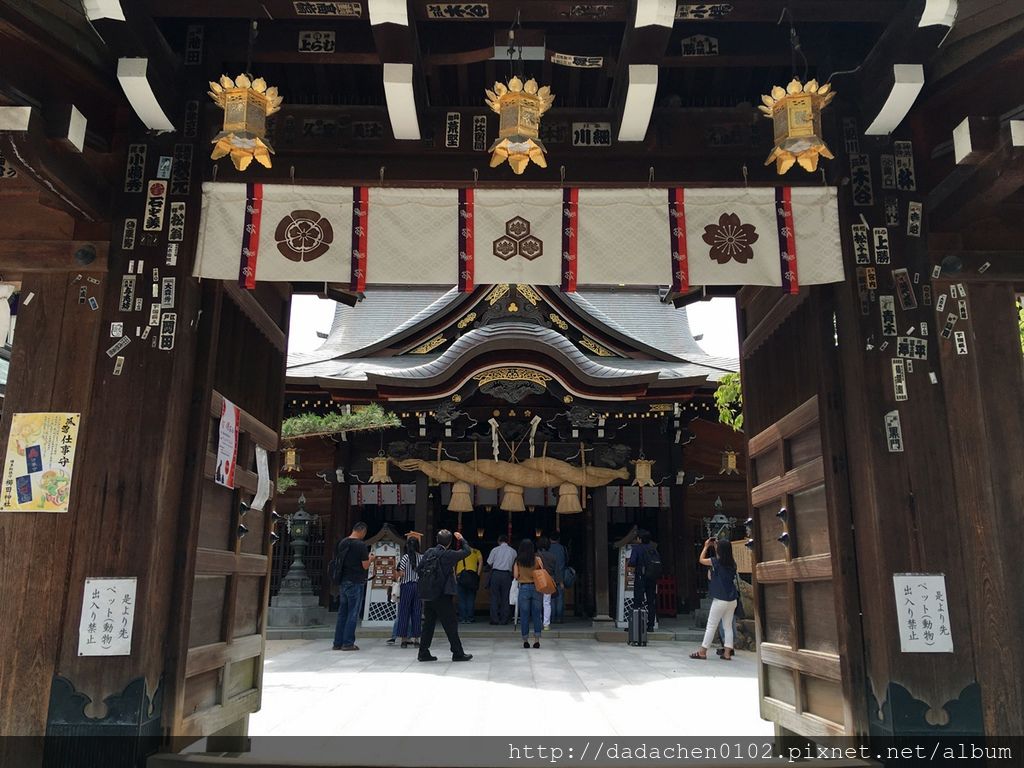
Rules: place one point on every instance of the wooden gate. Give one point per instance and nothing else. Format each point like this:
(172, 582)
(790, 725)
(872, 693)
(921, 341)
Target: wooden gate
(225, 552)
(810, 647)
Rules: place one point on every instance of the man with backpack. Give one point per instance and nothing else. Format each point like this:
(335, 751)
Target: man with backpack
(647, 564)
(348, 570)
(436, 586)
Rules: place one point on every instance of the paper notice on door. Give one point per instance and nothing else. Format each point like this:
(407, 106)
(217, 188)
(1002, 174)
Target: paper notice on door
(263, 482)
(227, 445)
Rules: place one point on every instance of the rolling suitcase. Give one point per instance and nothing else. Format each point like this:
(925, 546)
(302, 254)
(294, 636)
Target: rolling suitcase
(637, 630)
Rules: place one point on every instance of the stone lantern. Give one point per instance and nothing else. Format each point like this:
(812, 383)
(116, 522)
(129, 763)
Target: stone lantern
(295, 604)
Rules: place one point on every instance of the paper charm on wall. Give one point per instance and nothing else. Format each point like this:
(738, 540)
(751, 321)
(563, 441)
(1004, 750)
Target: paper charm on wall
(642, 473)
(246, 104)
(519, 107)
(796, 114)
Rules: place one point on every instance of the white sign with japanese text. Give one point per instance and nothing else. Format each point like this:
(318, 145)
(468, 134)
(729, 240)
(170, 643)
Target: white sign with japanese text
(922, 608)
(227, 445)
(108, 613)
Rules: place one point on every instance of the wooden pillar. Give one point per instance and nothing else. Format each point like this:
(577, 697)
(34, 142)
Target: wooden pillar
(682, 544)
(52, 364)
(602, 587)
(341, 517)
(904, 506)
(126, 508)
(982, 393)
(422, 502)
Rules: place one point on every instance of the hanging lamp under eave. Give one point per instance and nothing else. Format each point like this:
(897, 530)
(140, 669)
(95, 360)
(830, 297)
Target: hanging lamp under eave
(795, 112)
(519, 107)
(246, 103)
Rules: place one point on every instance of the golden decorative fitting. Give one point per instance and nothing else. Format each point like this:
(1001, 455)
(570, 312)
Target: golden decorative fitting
(594, 347)
(528, 292)
(428, 346)
(246, 104)
(497, 293)
(519, 107)
(567, 399)
(467, 320)
(558, 321)
(456, 398)
(512, 374)
(796, 113)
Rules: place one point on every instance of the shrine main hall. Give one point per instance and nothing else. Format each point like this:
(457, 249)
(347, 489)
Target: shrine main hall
(269, 269)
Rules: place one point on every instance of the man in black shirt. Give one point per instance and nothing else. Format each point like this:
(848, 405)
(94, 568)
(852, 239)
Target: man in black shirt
(645, 585)
(353, 557)
(442, 607)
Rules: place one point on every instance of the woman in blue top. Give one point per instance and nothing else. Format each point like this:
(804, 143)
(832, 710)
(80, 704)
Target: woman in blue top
(722, 590)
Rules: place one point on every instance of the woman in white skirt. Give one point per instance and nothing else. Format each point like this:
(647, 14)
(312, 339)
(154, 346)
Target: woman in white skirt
(717, 554)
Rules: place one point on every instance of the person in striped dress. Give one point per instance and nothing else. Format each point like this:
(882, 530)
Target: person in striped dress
(410, 609)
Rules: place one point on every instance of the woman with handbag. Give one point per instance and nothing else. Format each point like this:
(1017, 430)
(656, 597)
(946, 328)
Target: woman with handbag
(410, 609)
(723, 593)
(530, 600)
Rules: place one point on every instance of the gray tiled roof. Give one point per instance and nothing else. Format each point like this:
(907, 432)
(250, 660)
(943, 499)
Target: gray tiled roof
(636, 314)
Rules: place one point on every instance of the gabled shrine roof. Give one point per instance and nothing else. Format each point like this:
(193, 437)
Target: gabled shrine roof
(370, 342)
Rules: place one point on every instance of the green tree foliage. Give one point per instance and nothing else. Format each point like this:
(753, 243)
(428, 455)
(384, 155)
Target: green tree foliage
(310, 424)
(1020, 322)
(284, 483)
(729, 399)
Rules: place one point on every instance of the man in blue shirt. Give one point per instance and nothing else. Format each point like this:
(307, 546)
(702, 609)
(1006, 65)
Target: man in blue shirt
(561, 560)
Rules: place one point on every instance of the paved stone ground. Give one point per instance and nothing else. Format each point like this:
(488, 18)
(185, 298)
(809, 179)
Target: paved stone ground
(583, 687)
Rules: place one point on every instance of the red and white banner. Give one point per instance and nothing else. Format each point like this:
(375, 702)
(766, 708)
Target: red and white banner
(367, 236)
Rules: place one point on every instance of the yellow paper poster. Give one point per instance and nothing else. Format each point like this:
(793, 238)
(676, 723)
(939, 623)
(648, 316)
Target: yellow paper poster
(39, 462)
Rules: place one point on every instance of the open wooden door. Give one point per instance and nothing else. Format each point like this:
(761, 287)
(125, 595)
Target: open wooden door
(810, 648)
(224, 552)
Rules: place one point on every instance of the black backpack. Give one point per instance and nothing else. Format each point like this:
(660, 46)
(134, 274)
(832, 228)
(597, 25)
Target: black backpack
(337, 564)
(431, 577)
(652, 563)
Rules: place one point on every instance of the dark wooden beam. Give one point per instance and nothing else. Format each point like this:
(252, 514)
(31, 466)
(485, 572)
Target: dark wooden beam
(50, 256)
(902, 43)
(994, 176)
(640, 45)
(558, 10)
(58, 170)
(137, 37)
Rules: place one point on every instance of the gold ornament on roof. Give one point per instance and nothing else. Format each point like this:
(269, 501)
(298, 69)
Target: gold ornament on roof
(796, 114)
(247, 104)
(519, 106)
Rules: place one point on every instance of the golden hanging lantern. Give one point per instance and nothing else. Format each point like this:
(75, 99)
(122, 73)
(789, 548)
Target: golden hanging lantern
(568, 500)
(642, 472)
(246, 104)
(290, 463)
(519, 107)
(729, 465)
(462, 499)
(380, 470)
(796, 114)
